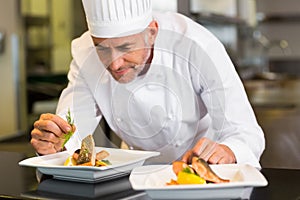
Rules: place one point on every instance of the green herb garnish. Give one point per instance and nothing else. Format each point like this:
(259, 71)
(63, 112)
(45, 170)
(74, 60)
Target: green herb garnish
(68, 135)
(106, 162)
(188, 170)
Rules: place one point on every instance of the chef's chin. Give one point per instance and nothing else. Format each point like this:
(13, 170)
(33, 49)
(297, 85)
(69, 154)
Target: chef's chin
(131, 75)
(127, 78)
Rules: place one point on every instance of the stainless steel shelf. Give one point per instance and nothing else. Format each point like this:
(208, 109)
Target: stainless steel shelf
(212, 18)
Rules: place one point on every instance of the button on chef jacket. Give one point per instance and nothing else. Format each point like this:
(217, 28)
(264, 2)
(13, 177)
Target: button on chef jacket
(191, 90)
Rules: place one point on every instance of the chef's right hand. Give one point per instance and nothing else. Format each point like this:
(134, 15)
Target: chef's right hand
(47, 135)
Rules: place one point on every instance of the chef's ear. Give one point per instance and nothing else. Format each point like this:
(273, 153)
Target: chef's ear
(152, 31)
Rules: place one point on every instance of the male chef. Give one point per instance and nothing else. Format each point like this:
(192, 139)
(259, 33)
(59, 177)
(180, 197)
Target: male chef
(161, 81)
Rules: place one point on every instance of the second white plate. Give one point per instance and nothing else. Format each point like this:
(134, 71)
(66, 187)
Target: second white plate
(153, 179)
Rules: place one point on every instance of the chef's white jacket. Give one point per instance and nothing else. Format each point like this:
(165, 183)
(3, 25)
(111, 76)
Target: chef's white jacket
(191, 90)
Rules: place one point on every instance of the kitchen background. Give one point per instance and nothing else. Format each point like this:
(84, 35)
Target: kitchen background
(261, 36)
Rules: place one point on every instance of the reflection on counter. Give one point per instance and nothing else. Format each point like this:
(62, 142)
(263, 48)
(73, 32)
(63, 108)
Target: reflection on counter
(11, 173)
(86, 190)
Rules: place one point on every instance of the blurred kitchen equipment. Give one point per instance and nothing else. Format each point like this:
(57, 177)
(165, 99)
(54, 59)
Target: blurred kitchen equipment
(255, 55)
(267, 45)
(2, 41)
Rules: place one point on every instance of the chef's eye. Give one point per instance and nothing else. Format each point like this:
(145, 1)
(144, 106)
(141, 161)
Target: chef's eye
(124, 49)
(102, 49)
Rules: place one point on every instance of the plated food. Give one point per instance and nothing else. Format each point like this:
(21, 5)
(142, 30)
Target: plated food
(122, 161)
(153, 178)
(87, 156)
(198, 173)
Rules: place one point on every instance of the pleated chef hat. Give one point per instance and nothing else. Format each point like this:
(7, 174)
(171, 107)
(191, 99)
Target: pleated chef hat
(117, 18)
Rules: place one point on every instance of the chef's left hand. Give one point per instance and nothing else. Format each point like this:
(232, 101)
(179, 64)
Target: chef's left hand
(210, 151)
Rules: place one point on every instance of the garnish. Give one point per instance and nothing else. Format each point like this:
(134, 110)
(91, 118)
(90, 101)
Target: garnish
(106, 162)
(188, 170)
(68, 135)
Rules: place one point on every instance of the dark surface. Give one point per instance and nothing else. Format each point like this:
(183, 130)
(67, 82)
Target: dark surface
(21, 183)
(277, 107)
(15, 179)
(283, 184)
(42, 87)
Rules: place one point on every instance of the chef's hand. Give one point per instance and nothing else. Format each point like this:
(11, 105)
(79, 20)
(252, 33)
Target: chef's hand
(210, 151)
(47, 135)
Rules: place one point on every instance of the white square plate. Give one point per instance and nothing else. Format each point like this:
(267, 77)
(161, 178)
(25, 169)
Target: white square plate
(123, 161)
(153, 179)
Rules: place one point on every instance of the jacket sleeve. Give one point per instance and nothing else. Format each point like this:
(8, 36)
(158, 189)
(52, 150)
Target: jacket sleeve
(79, 99)
(233, 121)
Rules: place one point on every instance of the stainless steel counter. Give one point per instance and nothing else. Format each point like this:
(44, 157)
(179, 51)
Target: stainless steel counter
(20, 183)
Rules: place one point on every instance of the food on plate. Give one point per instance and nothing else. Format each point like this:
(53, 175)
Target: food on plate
(202, 168)
(87, 151)
(178, 166)
(87, 156)
(101, 155)
(188, 177)
(198, 173)
(70, 161)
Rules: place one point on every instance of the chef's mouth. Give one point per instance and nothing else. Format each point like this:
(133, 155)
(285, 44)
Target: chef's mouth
(124, 70)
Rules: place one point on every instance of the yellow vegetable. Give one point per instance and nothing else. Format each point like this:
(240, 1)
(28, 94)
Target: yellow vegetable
(100, 163)
(189, 178)
(70, 161)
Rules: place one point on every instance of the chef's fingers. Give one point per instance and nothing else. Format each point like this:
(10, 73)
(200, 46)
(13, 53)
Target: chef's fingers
(224, 160)
(215, 158)
(222, 155)
(46, 130)
(60, 122)
(44, 135)
(187, 157)
(208, 151)
(43, 147)
(200, 145)
(52, 123)
(229, 155)
(204, 148)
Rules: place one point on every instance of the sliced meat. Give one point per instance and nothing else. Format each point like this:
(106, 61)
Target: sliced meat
(203, 170)
(101, 155)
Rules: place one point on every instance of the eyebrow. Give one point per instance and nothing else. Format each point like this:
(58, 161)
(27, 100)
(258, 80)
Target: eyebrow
(125, 45)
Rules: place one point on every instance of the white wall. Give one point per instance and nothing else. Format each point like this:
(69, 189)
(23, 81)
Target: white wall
(12, 81)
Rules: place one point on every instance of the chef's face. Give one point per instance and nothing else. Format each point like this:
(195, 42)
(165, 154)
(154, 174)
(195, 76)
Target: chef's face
(125, 57)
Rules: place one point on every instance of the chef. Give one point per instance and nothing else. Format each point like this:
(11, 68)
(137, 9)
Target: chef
(161, 81)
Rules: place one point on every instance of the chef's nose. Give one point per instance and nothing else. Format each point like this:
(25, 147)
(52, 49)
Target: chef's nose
(117, 61)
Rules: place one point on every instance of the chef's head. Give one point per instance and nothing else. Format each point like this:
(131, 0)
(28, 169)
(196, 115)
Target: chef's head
(123, 32)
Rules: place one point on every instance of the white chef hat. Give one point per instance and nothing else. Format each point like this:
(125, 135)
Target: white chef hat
(117, 18)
